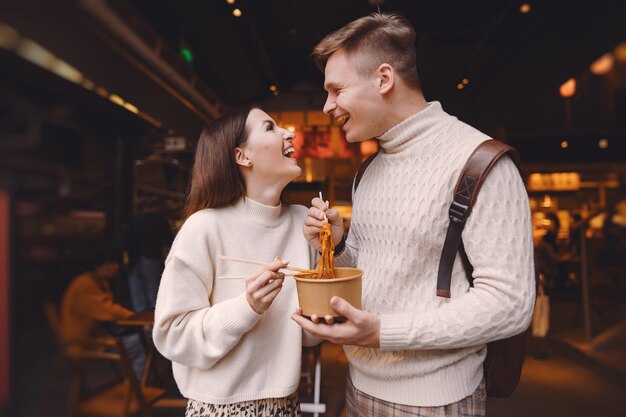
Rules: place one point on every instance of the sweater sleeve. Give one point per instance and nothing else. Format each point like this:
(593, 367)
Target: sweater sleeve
(498, 242)
(350, 254)
(187, 328)
(94, 302)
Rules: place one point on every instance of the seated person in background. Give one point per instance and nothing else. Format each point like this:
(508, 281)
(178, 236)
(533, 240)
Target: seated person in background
(89, 300)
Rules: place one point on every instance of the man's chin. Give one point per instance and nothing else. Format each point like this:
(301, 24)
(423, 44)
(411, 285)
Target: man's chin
(350, 138)
(354, 139)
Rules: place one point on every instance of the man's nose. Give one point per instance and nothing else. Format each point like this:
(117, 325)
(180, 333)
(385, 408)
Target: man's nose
(329, 106)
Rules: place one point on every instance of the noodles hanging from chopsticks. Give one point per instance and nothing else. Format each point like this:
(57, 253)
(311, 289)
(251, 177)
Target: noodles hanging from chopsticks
(326, 264)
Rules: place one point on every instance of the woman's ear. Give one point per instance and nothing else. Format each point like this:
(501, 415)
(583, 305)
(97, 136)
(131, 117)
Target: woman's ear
(241, 159)
(386, 78)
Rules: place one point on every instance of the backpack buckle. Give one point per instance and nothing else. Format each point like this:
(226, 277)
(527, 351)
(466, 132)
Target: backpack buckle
(458, 212)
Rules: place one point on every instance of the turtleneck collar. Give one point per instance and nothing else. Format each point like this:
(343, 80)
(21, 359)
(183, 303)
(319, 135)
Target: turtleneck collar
(415, 128)
(267, 216)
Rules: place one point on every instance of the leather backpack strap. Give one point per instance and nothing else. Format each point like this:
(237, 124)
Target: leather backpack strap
(362, 169)
(470, 180)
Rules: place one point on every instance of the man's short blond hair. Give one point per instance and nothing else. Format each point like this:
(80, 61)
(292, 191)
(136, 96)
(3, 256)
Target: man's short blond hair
(371, 41)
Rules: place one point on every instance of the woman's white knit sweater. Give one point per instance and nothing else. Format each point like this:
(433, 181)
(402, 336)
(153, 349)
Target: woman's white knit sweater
(222, 351)
(431, 348)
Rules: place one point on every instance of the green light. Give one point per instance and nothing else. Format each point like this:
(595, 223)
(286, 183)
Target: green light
(186, 54)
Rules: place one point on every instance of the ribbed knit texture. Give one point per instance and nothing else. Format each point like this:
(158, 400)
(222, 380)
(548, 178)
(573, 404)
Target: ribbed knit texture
(222, 351)
(432, 349)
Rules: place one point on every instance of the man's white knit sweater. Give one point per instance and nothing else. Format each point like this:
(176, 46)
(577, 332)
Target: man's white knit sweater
(222, 351)
(431, 348)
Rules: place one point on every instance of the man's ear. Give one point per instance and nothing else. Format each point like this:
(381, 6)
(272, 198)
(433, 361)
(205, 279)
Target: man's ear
(386, 78)
(241, 159)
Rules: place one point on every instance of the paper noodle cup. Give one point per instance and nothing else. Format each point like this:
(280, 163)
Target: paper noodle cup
(314, 294)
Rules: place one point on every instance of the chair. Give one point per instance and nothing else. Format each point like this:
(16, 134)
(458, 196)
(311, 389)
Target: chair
(125, 398)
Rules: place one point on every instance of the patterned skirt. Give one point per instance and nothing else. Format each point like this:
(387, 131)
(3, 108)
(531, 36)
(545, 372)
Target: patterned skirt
(266, 407)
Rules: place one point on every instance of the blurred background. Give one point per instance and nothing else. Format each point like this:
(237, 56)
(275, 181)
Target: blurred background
(101, 104)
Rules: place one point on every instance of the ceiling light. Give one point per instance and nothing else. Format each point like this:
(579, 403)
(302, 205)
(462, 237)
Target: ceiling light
(273, 87)
(602, 65)
(131, 108)
(102, 92)
(568, 88)
(230, 1)
(603, 143)
(116, 99)
(620, 52)
(564, 144)
(460, 86)
(525, 8)
(236, 12)
(465, 81)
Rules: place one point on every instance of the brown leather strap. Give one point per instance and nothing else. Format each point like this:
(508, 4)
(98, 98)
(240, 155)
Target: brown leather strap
(362, 169)
(466, 190)
(476, 169)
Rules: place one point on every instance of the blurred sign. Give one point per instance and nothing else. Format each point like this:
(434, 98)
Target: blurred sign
(555, 181)
(317, 118)
(175, 143)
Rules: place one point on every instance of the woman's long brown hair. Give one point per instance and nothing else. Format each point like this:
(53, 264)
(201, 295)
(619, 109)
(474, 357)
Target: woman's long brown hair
(215, 179)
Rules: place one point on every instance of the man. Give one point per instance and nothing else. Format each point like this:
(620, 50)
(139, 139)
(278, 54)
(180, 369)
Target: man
(411, 352)
(88, 301)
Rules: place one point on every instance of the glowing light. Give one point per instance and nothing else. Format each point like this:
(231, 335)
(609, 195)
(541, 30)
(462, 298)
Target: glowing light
(31, 51)
(9, 37)
(35, 53)
(273, 87)
(603, 143)
(186, 54)
(547, 201)
(116, 99)
(525, 8)
(102, 92)
(291, 128)
(568, 88)
(230, 1)
(460, 86)
(275, 93)
(131, 108)
(237, 13)
(465, 81)
(88, 84)
(564, 144)
(65, 70)
(602, 65)
(620, 52)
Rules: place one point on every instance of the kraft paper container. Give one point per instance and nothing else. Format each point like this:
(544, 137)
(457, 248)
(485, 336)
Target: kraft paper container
(314, 294)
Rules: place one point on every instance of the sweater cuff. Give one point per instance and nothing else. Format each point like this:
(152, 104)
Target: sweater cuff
(394, 331)
(340, 247)
(240, 317)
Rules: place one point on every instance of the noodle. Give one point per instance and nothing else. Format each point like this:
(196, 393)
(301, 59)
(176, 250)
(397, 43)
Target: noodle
(326, 265)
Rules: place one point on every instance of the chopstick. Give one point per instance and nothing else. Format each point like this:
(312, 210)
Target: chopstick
(253, 262)
(287, 274)
(327, 206)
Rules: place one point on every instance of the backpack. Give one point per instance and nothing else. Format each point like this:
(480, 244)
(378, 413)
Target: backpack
(505, 357)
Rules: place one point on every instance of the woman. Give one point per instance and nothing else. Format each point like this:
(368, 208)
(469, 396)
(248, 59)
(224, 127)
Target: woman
(233, 347)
